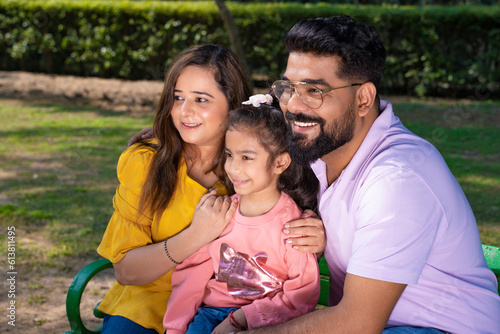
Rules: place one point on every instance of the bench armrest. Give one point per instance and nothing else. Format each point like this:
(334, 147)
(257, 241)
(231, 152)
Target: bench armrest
(75, 293)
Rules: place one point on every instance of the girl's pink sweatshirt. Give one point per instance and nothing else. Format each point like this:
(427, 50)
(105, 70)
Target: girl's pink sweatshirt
(259, 273)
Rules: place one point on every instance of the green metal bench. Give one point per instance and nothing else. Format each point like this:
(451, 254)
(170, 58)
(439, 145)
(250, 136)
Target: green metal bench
(77, 287)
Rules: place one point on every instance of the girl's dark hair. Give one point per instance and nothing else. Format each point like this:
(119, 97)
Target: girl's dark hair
(232, 81)
(267, 123)
(357, 45)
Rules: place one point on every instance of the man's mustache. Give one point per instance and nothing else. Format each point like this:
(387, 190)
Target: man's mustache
(304, 118)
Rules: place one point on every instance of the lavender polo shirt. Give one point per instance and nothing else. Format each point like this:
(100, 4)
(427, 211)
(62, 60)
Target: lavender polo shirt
(397, 214)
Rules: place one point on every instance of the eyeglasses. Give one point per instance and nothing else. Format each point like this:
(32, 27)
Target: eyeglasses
(309, 94)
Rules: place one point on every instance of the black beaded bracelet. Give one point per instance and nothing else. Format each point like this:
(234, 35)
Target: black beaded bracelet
(166, 251)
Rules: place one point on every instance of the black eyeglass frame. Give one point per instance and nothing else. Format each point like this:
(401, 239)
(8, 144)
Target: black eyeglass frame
(294, 83)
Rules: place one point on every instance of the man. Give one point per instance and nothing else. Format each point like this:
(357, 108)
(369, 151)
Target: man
(403, 246)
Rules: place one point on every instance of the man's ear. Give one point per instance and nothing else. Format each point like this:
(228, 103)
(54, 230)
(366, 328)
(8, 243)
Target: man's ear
(365, 98)
(282, 162)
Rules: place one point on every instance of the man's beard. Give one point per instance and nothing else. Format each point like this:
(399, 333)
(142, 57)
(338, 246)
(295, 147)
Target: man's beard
(339, 133)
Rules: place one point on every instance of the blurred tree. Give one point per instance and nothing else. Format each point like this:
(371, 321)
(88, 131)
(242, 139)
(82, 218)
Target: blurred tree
(234, 34)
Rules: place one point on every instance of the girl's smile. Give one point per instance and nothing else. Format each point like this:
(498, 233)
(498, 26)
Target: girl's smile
(248, 167)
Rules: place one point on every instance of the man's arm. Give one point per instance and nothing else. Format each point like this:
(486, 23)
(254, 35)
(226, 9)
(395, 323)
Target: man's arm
(365, 308)
(145, 133)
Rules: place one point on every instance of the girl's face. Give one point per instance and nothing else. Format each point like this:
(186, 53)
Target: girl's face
(200, 109)
(247, 165)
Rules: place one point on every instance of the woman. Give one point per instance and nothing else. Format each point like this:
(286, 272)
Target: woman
(162, 182)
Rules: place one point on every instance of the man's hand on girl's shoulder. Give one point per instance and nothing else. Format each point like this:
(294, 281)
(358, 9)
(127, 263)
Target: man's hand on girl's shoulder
(307, 233)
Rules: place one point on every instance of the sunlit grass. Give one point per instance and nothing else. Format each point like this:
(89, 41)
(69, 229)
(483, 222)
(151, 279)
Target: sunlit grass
(58, 176)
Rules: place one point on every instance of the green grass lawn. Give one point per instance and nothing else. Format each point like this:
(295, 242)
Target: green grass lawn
(58, 176)
(57, 172)
(467, 135)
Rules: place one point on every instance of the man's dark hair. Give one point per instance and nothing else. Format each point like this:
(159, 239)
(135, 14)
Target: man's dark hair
(358, 46)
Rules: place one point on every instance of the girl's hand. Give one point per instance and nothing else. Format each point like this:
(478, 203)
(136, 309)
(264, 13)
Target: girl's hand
(211, 216)
(307, 233)
(225, 327)
(143, 134)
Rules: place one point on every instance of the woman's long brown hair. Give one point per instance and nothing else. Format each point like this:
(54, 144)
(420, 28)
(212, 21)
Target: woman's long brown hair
(232, 81)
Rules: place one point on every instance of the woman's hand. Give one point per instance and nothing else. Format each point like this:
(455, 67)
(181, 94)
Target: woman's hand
(143, 134)
(307, 233)
(211, 216)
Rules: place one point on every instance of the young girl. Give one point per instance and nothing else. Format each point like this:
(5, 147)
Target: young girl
(250, 276)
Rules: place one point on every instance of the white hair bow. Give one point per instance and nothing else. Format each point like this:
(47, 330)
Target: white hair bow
(257, 99)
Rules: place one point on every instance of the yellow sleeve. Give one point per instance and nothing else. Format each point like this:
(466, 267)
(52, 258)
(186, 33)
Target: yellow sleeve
(127, 228)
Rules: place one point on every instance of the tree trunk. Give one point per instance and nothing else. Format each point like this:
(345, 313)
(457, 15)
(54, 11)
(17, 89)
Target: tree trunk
(234, 35)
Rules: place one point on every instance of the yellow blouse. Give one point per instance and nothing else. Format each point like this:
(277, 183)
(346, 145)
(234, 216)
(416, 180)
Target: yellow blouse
(144, 304)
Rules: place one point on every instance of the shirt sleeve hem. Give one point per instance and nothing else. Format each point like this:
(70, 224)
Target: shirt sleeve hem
(383, 274)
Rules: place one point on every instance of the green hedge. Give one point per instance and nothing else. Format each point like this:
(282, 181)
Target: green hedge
(432, 51)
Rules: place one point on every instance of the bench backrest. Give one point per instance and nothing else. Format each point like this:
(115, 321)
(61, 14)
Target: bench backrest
(491, 254)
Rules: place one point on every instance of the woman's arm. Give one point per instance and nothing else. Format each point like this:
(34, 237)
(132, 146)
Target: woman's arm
(146, 264)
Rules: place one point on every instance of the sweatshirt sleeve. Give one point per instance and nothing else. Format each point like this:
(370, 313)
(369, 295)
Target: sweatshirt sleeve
(189, 282)
(300, 293)
(128, 228)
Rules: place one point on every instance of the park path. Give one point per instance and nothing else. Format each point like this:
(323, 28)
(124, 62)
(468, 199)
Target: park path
(111, 94)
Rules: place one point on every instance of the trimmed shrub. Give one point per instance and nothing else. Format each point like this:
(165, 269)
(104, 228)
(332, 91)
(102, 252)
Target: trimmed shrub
(432, 51)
